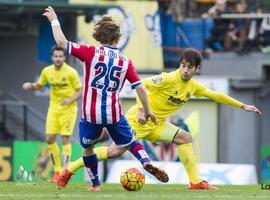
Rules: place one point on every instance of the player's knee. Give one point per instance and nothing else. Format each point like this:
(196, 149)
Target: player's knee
(188, 138)
(182, 137)
(50, 139)
(65, 139)
(185, 137)
(88, 151)
(113, 153)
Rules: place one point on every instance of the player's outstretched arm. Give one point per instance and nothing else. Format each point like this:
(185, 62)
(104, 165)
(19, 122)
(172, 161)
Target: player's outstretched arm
(225, 99)
(251, 108)
(145, 103)
(58, 34)
(31, 86)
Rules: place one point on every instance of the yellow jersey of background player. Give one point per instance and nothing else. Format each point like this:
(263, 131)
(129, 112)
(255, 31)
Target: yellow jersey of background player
(65, 90)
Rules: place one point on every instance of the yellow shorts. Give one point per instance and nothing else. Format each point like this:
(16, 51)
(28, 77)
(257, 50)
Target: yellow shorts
(61, 122)
(162, 132)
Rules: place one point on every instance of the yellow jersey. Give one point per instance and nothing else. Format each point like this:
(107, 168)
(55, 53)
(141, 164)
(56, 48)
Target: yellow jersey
(168, 92)
(63, 84)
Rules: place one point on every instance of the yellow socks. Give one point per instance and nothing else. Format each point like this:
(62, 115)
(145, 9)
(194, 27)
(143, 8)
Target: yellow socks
(188, 159)
(53, 150)
(101, 154)
(66, 153)
(74, 166)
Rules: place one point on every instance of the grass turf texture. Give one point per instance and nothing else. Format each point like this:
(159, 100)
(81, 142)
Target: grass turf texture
(42, 190)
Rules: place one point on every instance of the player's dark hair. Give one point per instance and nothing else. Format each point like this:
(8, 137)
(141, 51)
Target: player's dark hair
(192, 55)
(55, 48)
(106, 31)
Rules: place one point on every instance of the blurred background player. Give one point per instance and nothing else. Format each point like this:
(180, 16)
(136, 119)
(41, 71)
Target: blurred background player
(106, 70)
(167, 93)
(65, 90)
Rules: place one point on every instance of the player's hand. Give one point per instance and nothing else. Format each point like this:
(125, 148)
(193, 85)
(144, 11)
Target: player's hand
(151, 116)
(141, 117)
(250, 108)
(27, 86)
(50, 14)
(66, 102)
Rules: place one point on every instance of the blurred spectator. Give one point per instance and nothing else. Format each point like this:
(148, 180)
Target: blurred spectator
(164, 5)
(181, 9)
(218, 33)
(263, 5)
(237, 34)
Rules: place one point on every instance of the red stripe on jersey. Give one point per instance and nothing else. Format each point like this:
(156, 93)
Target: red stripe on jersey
(93, 105)
(113, 108)
(86, 86)
(88, 54)
(120, 107)
(101, 57)
(120, 63)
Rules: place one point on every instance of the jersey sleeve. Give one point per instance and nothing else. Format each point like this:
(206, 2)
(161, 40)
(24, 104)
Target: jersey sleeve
(75, 80)
(82, 52)
(200, 89)
(218, 97)
(42, 78)
(132, 75)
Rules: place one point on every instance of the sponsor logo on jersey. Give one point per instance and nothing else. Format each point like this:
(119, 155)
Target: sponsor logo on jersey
(156, 80)
(177, 101)
(75, 45)
(58, 85)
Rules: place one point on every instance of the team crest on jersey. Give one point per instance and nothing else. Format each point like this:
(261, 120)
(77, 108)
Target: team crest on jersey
(156, 80)
(76, 46)
(188, 95)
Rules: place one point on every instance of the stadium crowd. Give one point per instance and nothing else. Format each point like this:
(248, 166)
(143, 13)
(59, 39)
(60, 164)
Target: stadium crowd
(238, 25)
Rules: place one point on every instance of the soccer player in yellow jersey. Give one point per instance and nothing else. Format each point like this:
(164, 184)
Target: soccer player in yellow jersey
(65, 90)
(167, 93)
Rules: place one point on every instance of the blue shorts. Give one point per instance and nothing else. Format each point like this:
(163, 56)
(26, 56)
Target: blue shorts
(120, 132)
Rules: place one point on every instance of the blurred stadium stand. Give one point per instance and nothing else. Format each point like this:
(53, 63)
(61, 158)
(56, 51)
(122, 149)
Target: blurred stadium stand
(15, 117)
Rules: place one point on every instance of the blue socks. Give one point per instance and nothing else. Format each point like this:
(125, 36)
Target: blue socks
(138, 151)
(91, 164)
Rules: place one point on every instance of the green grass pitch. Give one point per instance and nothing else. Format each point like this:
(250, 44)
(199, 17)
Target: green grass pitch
(75, 191)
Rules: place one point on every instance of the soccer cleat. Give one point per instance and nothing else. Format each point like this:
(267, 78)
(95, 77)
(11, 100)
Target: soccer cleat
(63, 178)
(54, 177)
(160, 174)
(203, 185)
(96, 188)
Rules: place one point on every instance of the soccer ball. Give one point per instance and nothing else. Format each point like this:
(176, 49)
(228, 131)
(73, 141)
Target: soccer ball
(132, 179)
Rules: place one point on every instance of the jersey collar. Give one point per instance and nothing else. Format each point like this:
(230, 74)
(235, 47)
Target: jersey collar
(108, 46)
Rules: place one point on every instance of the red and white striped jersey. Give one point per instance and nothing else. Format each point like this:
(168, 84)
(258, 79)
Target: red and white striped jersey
(105, 71)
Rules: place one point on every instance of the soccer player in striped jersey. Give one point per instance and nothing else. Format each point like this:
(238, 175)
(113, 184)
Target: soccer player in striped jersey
(105, 72)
